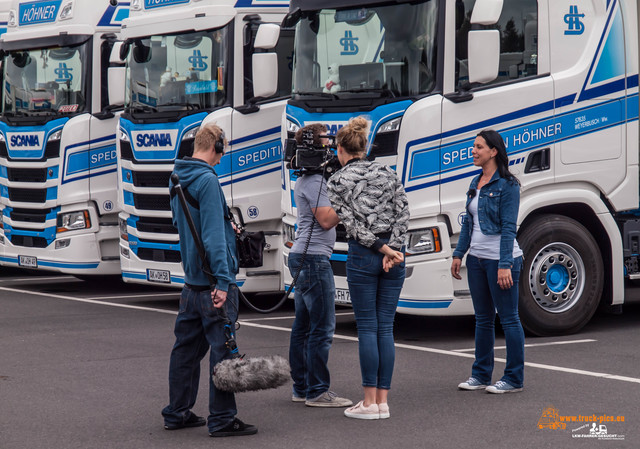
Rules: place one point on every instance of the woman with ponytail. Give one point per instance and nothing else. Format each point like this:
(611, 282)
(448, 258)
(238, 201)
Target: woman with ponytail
(371, 203)
(494, 263)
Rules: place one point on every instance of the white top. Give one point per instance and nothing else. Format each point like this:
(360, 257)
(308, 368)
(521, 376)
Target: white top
(486, 246)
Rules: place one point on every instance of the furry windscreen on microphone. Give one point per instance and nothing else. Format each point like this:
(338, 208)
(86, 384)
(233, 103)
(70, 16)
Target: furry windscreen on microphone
(251, 374)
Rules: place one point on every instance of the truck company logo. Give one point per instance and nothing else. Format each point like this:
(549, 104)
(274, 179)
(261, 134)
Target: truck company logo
(63, 73)
(150, 140)
(154, 140)
(197, 61)
(348, 42)
(20, 141)
(574, 25)
(150, 4)
(39, 12)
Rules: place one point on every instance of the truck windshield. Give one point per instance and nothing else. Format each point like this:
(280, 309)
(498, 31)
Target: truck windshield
(390, 50)
(178, 72)
(45, 81)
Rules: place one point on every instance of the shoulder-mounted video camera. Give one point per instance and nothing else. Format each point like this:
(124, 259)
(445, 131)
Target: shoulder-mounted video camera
(308, 158)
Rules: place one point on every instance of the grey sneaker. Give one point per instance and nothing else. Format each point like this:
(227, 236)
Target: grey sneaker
(328, 399)
(502, 387)
(472, 384)
(295, 398)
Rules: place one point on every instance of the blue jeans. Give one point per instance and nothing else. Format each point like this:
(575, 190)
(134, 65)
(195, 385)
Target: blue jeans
(314, 325)
(374, 296)
(198, 328)
(487, 297)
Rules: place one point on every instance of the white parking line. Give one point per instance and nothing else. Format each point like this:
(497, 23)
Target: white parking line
(289, 317)
(43, 278)
(337, 336)
(144, 295)
(533, 345)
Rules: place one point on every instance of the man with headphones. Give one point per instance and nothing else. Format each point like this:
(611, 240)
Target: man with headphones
(198, 326)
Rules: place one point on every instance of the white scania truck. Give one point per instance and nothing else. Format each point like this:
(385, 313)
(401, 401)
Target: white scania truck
(57, 137)
(558, 79)
(189, 63)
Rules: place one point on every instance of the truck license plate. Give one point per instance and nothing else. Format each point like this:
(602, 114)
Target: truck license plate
(28, 261)
(342, 296)
(159, 276)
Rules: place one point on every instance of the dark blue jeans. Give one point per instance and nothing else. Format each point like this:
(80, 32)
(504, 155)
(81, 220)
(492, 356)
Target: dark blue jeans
(487, 297)
(198, 328)
(374, 296)
(314, 325)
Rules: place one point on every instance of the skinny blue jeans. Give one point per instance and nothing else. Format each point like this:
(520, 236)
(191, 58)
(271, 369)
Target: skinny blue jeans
(374, 295)
(199, 327)
(313, 326)
(487, 297)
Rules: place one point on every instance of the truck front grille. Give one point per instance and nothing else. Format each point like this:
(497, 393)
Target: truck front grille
(27, 195)
(159, 255)
(151, 178)
(28, 241)
(27, 174)
(151, 202)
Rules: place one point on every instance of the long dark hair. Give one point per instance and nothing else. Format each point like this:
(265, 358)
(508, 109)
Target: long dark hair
(494, 140)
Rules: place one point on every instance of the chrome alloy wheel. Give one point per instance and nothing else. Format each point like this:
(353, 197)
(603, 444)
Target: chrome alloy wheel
(557, 277)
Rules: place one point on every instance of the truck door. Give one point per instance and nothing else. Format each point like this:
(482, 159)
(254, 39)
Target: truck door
(257, 153)
(519, 103)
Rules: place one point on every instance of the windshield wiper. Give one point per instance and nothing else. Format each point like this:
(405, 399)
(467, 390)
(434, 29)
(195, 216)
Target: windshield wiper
(143, 108)
(383, 91)
(318, 94)
(186, 104)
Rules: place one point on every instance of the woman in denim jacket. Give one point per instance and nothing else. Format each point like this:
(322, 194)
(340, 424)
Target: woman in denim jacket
(494, 263)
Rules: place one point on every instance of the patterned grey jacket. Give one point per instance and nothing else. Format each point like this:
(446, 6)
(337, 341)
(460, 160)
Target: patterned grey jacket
(370, 199)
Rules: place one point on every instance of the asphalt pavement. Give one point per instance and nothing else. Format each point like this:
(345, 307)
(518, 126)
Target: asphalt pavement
(85, 364)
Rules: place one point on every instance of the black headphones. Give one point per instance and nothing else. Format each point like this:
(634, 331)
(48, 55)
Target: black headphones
(219, 145)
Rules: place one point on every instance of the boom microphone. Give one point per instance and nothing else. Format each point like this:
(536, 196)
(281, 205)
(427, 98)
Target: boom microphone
(237, 374)
(252, 374)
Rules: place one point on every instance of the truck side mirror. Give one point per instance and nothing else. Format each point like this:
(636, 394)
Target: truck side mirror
(116, 76)
(265, 74)
(265, 65)
(267, 36)
(486, 12)
(484, 55)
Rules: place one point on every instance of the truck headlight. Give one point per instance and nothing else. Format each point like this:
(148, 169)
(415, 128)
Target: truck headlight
(124, 232)
(292, 128)
(72, 221)
(55, 136)
(422, 241)
(288, 235)
(191, 134)
(124, 136)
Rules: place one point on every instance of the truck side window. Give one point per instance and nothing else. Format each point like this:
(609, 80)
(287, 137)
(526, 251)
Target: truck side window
(518, 26)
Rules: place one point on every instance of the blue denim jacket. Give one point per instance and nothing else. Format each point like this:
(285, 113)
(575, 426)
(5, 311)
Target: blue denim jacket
(498, 205)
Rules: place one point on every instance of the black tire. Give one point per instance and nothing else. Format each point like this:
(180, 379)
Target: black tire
(562, 276)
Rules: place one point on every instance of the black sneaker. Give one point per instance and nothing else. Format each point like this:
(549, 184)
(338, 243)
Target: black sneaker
(235, 428)
(193, 421)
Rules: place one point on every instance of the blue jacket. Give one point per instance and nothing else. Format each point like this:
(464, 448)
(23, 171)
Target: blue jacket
(498, 205)
(217, 234)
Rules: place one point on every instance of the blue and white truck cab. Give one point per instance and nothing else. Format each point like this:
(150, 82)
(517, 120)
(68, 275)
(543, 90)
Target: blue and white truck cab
(189, 63)
(57, 137)
(558, 79)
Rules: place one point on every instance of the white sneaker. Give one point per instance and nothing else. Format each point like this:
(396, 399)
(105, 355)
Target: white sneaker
(384, 410)
(359, 411)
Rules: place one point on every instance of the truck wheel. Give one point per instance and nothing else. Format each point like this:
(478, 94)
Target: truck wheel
(562, 276)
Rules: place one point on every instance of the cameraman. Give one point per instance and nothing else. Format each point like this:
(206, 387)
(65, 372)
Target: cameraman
(315, 321)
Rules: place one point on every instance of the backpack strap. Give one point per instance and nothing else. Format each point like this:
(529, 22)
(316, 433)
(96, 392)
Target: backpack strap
(190, 199)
